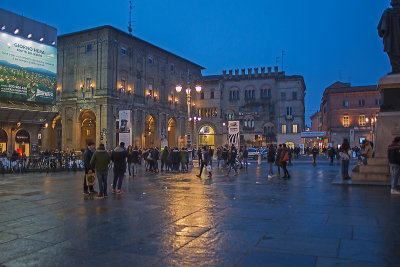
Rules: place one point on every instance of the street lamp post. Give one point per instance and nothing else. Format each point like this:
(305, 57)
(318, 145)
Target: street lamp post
(188, 102)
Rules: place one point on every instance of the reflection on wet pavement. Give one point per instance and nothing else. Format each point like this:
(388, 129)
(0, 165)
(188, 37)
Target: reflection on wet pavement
(182, 220)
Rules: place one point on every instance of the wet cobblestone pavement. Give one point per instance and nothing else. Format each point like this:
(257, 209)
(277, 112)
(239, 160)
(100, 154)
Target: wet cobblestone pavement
(181, 220)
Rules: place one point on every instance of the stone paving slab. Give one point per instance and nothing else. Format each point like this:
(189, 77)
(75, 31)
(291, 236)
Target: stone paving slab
(181, 220)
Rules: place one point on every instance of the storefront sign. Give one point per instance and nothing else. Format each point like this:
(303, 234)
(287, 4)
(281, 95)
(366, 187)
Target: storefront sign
(27, 70)
(233, 133)
(125, 125)
(312, 134)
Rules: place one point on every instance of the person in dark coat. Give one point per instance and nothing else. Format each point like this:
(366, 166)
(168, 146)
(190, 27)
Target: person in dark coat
(204, 160)
(164, 156)
(394, 162)
(129, 161)
(271, 159)
(232, 160)
(135, 160)
(87, 156)
(118, 157)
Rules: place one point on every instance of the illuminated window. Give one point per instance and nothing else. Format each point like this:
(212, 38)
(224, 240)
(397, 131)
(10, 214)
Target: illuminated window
(346, 121)
(88, 83)
(88, 132)
(283, 128)
(294, 128)
(361, 120)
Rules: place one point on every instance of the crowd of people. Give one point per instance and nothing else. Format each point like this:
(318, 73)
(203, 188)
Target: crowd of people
(228, 158)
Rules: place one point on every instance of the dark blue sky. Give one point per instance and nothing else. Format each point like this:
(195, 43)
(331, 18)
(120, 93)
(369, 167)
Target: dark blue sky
(324, 41)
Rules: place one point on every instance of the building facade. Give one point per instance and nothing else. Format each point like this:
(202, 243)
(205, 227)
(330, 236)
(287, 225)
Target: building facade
(28, 67)
(103, 71)
(349, 112)
(268, 104)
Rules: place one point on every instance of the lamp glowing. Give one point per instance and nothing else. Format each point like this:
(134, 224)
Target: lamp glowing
(198, 88)
(16, 31)
(178, 88)
(188, 90)
(29, 36)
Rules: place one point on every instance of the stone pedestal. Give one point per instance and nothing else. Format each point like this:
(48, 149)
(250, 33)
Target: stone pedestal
(387, 127)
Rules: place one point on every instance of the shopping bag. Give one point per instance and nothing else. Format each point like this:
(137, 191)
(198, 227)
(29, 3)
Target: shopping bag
(208, 168)
(90, 179)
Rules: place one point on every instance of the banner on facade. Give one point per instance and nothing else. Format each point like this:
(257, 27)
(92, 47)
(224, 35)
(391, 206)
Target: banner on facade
(125, 127)
(233, 133)
(27, 70)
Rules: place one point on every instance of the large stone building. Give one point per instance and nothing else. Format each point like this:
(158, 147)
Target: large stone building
(28, 66)
(349, 112)
(268, 104)
(102, 71)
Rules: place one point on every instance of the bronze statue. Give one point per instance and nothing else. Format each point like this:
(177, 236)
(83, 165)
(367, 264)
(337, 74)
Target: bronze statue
(389, 30)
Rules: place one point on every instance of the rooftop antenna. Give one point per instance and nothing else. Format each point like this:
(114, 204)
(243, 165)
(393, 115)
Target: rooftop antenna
(130, 17)
(283, 55)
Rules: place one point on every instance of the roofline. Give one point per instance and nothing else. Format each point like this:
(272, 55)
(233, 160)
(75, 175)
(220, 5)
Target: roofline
(131, 36)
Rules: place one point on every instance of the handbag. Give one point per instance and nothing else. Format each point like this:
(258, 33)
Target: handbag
(208, 168)
(90, 179)
(285, 157)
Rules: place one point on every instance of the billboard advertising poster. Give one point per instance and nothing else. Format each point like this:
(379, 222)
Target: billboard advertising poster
(233, 133)
(125, 126)
(27, 70)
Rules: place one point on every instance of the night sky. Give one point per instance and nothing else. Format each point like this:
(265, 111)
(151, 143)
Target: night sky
(325, 41)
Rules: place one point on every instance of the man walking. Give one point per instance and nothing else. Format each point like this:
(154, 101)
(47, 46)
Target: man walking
(135, 160)
(314, 155)
(245, 157)
(87, 156)
(232, 160)
(118, 156)
(271, 160)
(99, 162)
(394, 161)
(204, 160)
(285, 159)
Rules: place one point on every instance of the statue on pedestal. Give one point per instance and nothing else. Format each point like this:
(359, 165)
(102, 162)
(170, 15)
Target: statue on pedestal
(389, 30)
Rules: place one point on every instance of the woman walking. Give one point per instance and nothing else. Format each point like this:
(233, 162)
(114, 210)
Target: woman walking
(232, 160)
(345, 157)
(271, 160)
(284, 160)
(278, 162)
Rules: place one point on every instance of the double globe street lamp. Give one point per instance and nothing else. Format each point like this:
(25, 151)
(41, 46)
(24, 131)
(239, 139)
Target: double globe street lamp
(188, 102)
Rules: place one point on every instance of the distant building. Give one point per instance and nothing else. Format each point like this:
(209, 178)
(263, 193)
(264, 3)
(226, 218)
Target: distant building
(103, 71)
(316, 122)
(268, 104)
(349, 112)
(28, 67)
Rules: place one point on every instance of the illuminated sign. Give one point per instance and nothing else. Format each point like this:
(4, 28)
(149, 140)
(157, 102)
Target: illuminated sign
(27, 70)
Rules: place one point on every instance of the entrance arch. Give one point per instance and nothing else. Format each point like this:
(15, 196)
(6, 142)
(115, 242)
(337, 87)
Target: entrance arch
(88, 127)
(172, 133)
(149, 132)
(22, 142)
(206, 136)
(3, 141)
(56, 133)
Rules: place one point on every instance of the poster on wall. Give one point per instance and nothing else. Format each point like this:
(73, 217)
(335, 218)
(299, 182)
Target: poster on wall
(27, 70)
(233, 133)
(125, 127)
